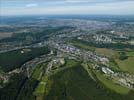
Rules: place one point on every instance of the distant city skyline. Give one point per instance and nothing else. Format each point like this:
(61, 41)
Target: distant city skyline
(69, 7)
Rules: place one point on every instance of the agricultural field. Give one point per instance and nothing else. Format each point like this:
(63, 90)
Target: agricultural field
(130, 53)
(82, 45)
(107, 52)
(5, 34)
(126, 65)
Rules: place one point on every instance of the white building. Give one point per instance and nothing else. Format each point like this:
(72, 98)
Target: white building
(106, 70)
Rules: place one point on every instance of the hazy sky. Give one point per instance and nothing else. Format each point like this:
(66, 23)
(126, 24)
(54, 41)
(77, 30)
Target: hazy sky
(27, 7)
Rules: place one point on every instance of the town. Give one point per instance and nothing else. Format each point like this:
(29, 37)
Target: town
(101, 49)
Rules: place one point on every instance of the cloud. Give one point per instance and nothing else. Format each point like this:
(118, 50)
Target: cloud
(32, 5)
(120, 7)
(94, 1)
(76, 1)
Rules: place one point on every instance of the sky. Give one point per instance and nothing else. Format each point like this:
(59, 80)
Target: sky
(66, 7)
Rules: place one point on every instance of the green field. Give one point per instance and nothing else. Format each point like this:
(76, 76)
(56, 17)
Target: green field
(14, 59)
(126, 65)
(45, 84)
(130, 53)
(83, 45)
(75, 84)
(107, 52)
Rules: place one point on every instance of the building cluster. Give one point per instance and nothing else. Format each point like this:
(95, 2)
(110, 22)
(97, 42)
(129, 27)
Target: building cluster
(97, 38)
(102, 38)
(121, 78)
(3, 79)
(83, 54)
(124, 79)
(58, 61)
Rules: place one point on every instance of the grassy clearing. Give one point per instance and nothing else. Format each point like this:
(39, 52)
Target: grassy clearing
(107, 52)
(40, 90)
(113, 53)
(126, 65)
(43, 88)
(130, 53)
(113, 65)
(70, 63)
(39, 71)
(5, 34)
(117, 64)
(83, 45)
